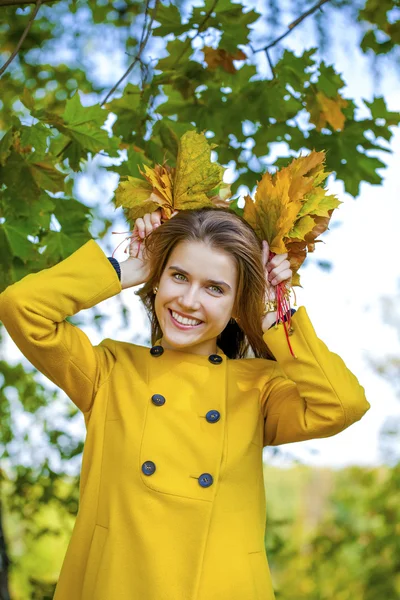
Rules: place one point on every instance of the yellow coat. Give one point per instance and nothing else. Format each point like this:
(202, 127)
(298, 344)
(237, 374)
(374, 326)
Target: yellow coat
(172, 501)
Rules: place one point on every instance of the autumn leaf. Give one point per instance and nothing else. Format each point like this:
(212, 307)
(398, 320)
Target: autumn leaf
(161, 179)
(325, 110)
(217, 57)
(196, 177)
(291, 209)
(193, 183)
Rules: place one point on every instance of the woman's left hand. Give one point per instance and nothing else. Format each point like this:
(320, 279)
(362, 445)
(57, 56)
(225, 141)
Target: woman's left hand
(277, 270)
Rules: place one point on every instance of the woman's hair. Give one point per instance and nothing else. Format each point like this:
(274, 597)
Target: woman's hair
(223, 230)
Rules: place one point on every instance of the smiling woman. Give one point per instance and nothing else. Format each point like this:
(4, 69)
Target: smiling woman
(172, 502)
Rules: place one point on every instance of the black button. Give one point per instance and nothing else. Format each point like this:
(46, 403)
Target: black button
(205, 480)
(156, 350)
(158, 399)
(213, 416)
(215, 359)
(148, 467)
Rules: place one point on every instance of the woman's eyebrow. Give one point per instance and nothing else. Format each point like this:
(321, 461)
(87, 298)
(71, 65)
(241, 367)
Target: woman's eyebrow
(176, 268)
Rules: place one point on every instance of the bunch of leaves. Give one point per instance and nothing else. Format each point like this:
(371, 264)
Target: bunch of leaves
(292, 208)
(194, 182)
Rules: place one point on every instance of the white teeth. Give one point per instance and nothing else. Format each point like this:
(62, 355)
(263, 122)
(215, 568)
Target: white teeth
(183, 320)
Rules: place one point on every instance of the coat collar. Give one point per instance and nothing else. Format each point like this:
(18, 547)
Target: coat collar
(219, 350)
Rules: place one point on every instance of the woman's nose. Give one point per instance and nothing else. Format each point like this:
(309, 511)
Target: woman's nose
(189, 299)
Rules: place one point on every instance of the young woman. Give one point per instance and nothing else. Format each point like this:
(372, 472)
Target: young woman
(172, 503)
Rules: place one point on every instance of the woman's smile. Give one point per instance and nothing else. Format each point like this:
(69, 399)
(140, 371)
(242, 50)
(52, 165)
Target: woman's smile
(182, 326)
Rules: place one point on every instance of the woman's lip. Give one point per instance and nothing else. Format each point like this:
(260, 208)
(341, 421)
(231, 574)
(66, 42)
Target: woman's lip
(180, 325)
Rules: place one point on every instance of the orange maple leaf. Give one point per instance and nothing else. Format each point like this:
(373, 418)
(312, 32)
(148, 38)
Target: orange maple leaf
(217, 57)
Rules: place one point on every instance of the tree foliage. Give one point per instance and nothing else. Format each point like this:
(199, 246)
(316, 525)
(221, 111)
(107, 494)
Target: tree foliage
(353, 549)
(186, 67)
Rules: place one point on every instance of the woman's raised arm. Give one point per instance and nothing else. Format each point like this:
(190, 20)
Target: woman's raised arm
(313, 396)
(34, 310)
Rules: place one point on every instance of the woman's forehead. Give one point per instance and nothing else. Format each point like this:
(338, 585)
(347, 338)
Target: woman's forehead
(198, 258)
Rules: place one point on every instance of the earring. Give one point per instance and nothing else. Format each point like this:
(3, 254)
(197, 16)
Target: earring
(155, 290)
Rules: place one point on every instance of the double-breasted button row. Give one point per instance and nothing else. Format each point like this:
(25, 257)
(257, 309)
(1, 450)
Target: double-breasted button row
(212, 416)
(215, 359)
(205, 479)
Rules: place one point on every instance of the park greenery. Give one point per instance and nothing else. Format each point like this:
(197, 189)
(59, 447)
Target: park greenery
(222, 68)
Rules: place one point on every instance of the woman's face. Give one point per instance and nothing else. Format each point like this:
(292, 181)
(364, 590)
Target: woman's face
(186, 287)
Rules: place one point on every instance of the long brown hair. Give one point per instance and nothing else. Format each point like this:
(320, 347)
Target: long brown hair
(221, 229)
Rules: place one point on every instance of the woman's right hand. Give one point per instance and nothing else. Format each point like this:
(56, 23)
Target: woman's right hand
(135, 270)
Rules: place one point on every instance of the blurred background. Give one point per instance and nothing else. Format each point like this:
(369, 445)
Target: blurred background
(266, 81)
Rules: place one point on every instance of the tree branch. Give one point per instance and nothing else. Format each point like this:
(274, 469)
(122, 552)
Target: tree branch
(293, 25)
(17, 3)
(199, 30)
(23, 36)
(143, 41)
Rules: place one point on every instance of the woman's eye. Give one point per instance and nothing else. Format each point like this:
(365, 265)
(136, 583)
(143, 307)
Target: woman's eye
(220, 290)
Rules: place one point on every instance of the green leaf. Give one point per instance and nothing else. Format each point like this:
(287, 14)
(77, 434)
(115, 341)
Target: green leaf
(47, 176)
(295, 70)
(379, 110)
(15, 232)
(88, 135)
(329, 81)
(168, 137)
(170, 21)
(130, 112)
(135, 159)
(73, 216)
(36, 136)
(60, 246)
(178, 52)
(76, 114)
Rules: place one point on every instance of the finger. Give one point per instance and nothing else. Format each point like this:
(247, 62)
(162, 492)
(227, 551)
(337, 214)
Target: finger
(285, 275)
(277, 260)
(140, 226)
(155, 218)
(265, 250)
(148, 223)
(275, 271)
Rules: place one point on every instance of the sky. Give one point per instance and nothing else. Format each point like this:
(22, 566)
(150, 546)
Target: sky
(345, 305)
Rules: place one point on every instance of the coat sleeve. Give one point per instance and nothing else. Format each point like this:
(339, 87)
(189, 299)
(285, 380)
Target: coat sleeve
(313, 396)
(34, 309)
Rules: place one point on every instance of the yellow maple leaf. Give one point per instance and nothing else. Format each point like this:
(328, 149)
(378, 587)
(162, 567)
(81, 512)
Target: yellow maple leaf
(136, 197)
(325, 110)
